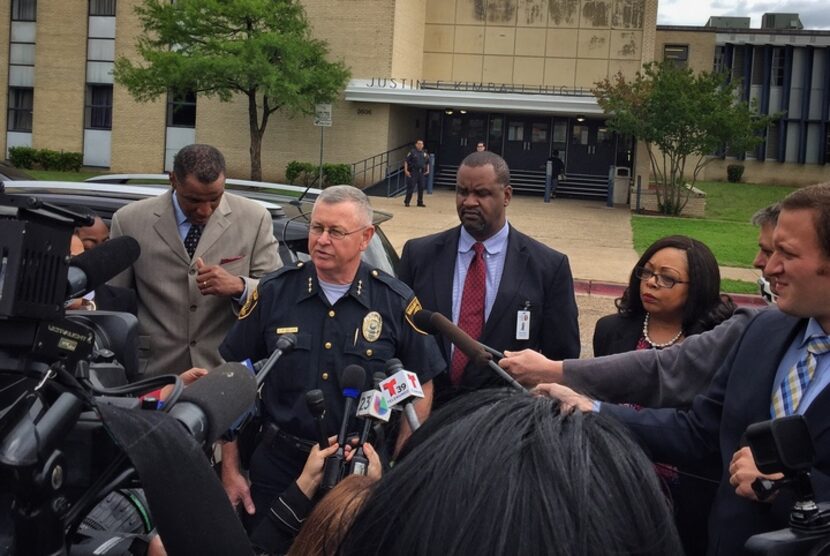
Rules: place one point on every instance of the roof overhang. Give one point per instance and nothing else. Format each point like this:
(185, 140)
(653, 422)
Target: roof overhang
(472, 96)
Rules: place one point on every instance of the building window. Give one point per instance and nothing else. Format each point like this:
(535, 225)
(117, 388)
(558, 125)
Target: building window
(678, 54)
(24, 10)
(827, 146)
(102, 7)
(720, 59)
(181, 109)
(777, 77)
(772, 141)
(98, 109)
(20, 109)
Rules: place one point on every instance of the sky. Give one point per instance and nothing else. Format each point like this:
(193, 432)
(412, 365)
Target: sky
(815, 14)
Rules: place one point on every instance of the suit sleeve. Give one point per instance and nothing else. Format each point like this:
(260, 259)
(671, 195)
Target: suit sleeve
(265, 256)
(127, 278)
(602, 330)
(405, 266)
(560, 335)
(677, 436)
(659, 378)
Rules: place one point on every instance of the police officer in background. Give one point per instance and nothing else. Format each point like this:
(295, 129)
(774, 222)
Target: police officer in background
(342, 312)
(416, 168)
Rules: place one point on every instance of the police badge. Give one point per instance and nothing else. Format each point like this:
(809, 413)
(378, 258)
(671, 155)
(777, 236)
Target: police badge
(372, 326)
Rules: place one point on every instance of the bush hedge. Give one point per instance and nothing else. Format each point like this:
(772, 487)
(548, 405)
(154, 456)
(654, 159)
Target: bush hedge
(734, 172)
(305, 173)
(45, 159)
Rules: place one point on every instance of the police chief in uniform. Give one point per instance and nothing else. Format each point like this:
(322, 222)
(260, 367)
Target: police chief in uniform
(342, 312)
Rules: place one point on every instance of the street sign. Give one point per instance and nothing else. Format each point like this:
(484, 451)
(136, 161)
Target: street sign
(322, 115)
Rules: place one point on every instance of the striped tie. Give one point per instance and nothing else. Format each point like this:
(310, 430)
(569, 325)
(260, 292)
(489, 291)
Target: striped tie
(788, 395)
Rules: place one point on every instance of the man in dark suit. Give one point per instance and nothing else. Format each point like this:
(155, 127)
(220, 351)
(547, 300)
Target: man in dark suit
(502, 287)
(779, 366)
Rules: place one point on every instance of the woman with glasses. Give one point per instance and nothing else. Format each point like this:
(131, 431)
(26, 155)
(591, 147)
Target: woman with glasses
(673, 293)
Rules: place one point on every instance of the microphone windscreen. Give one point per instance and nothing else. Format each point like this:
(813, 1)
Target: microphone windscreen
(423, 321)
(316, 402)
(286, 342)
(107, 261)
(393, 365)
(354, 378)
(223, 395)
(470, 347)
(377, 378)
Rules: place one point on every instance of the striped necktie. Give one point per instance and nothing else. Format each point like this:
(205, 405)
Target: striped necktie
(789, 393)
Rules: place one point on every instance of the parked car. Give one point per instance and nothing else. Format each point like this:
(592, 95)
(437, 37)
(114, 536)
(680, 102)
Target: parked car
(290, 213)
(10, 173)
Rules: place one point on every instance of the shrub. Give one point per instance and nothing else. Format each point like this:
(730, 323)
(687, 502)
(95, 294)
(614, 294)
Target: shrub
(300, 173)
(23, 157)
(337, 174)
(734, 172)
(70, 161)
(48, 159)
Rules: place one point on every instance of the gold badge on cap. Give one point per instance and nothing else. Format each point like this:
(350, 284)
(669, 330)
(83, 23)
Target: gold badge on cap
(250, 303)
(372, 326)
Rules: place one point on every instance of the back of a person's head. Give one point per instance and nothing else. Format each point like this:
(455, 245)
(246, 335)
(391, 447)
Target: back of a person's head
(324, 528)
(502, 472)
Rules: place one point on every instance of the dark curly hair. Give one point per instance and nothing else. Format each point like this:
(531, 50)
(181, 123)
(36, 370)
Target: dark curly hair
(705, 307)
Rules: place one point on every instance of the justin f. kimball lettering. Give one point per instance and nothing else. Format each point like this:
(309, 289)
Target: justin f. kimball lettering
(393, 83)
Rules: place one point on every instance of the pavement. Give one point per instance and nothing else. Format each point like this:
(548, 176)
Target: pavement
(597, 240)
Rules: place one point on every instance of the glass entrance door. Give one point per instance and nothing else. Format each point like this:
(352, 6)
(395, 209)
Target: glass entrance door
(591, 148)
(460, 134)
(527, 144)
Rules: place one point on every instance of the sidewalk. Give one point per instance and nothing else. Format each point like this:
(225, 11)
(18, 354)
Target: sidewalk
(597, 239)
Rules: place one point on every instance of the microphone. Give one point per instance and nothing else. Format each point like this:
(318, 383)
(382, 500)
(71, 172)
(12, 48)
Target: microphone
(372, 407)
(436, 323)
(402, 387)
(209, 406)
(354, 377)
(285, 343)
(95, 267)
(316, 402)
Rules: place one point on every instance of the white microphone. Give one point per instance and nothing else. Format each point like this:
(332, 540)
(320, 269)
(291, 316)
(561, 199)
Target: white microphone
(402, 387)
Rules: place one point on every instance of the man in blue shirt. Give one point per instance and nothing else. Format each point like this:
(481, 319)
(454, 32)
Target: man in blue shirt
(500, 286)
(779, 366)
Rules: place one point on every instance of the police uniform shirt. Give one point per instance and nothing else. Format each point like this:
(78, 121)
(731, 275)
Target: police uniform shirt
(369, 325)
(417, 160)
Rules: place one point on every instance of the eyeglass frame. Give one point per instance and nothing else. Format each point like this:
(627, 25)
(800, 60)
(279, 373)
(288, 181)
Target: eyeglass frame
(334, 233)
(644, 275)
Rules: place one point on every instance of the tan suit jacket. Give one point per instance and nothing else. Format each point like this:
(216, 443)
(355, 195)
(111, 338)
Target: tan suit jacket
(179, 327)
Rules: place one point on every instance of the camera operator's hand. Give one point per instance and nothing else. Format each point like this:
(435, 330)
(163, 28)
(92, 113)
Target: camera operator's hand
(235, 484)
(531, 367)
(215, 280)
(743, 472)
(156, 547)
(568, 399)
(309, 479)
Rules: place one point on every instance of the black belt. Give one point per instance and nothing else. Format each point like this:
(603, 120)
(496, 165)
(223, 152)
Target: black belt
(278, 438)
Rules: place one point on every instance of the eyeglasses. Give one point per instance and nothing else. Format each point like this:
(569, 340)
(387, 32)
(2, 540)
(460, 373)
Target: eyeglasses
(334, 233)
(663, 281)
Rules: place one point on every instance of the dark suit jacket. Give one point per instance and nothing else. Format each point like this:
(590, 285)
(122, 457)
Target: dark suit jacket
(113, 298)
(738, 396)
(533, 273)
(616, 334)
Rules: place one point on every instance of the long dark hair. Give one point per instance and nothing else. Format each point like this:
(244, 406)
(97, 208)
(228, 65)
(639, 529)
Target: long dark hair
(504, 472)
(705, 307)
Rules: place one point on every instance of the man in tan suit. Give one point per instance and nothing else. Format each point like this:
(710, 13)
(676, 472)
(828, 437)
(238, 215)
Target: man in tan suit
(202, 253)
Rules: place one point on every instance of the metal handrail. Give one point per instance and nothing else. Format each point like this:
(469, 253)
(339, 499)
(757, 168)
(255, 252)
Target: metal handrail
(373, 169)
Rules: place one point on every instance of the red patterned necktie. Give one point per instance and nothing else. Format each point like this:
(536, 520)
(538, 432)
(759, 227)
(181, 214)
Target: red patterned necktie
(471, 317)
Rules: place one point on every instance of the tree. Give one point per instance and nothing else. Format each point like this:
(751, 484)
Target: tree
(261, 49)
(679, 114)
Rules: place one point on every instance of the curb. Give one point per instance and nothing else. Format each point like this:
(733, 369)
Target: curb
(614, 289)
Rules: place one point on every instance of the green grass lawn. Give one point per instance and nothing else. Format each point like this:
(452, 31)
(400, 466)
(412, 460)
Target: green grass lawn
(725, 229)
